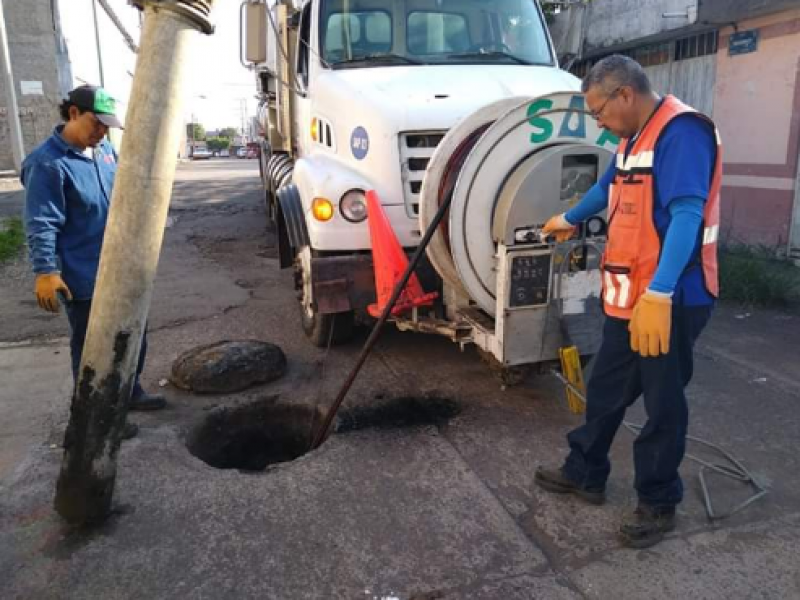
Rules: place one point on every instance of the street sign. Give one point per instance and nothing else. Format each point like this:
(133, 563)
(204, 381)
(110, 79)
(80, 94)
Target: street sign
(743, 42)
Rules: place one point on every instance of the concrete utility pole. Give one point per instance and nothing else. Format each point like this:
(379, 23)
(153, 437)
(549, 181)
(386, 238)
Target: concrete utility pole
(12, 110)
(133, 238)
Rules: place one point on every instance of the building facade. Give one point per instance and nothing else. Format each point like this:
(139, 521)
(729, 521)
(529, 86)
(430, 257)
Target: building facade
(41, 71)
(736, 60)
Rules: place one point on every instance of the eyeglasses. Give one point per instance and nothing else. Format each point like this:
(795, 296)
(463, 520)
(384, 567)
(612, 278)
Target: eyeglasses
(596, 114)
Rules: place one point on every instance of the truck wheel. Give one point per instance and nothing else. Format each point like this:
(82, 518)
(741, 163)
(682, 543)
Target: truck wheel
(321, 329)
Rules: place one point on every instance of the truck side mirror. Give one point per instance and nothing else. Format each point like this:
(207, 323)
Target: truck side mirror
(255, 32)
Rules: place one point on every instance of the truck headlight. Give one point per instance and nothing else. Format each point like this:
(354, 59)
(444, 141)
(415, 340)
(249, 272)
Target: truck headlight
(353, 206)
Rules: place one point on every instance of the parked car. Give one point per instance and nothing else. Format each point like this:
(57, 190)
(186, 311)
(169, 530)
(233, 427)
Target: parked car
(241, 153)
(224, 153)
(201, 154)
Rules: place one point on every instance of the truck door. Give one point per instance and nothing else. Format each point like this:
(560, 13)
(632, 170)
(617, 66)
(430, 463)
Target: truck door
(302, 69)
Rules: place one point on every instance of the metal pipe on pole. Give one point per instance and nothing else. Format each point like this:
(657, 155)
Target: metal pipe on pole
(97, 43)
(133, 238)
(12, 110)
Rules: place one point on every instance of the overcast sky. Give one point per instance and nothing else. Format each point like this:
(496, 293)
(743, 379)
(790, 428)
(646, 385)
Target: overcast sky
(214, 68)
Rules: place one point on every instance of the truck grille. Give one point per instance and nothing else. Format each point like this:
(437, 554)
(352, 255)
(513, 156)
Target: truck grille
(416, 149)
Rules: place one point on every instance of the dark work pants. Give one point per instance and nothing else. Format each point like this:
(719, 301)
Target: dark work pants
(78, 315)
(618, 378)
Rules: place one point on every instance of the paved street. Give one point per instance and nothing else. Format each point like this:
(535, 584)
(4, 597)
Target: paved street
(440, 509)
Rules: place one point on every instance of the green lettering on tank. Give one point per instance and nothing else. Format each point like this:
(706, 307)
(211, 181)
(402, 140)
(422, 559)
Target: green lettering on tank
(542, 123)
(577, 110)
(607, 137)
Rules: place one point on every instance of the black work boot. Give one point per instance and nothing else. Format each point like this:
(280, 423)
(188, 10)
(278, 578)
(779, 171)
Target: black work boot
(130, 431)
(554, 480)
(144, 401)
(646, 526)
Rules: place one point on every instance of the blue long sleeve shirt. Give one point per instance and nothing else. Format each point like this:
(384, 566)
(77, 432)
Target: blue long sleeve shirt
(67, 196)
(683, 168)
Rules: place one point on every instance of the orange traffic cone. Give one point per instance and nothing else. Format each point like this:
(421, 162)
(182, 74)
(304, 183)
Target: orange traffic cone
(390, 262)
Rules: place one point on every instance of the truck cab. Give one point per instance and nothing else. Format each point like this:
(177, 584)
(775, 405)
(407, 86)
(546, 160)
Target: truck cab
(356, 95)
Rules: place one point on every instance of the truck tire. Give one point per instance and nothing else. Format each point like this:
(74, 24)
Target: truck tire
(321, 329)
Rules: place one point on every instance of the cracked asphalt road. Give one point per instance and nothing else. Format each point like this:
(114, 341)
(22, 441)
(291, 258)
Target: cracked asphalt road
(430, 511)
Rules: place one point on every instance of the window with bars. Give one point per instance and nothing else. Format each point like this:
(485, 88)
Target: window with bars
(650, 55)
(693, 46)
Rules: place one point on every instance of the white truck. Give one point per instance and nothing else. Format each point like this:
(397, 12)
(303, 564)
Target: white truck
(419, 100)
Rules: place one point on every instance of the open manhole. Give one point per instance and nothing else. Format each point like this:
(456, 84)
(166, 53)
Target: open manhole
(253, 436)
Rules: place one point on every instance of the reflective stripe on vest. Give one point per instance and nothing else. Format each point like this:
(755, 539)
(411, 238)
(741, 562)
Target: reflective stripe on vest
(617, 289)
(634, 246)
(643, 160)
(710, 235)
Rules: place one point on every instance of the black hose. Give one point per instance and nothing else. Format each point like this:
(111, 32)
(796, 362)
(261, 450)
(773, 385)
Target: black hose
(324, 431)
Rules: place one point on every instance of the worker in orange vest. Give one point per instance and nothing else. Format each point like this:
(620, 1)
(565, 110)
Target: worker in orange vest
(659, 287)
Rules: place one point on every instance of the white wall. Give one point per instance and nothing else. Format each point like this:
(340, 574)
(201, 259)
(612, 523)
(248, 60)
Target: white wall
(613, 22)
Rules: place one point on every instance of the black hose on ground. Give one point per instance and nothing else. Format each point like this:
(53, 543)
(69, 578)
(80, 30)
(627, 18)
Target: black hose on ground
(324, 431)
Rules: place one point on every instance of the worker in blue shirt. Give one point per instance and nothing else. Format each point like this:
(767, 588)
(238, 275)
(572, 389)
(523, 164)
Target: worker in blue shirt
(660, 283)
(68, 181)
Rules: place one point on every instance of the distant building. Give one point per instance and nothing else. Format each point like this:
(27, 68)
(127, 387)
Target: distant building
(738, 61)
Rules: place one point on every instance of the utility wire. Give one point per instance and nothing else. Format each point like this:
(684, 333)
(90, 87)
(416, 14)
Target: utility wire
(120, 27)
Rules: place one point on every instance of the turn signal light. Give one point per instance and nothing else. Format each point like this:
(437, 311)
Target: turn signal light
(315, 129)
(322, 208)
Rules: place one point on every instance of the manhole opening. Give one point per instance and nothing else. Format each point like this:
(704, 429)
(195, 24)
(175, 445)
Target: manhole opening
(253, 436)
(395, 413)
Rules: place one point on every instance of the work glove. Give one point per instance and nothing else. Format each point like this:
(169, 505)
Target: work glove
(559, 228)
(650, 324)
(47, 286)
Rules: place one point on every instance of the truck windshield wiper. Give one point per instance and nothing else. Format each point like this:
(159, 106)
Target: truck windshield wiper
(490, 54)
(378, 57)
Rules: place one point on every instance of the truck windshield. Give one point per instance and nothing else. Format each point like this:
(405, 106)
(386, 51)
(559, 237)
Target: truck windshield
(362, 33)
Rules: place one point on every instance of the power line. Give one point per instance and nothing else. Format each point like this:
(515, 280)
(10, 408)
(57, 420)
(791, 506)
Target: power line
(115, 19)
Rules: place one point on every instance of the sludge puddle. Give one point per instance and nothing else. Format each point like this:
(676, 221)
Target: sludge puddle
(250, 437)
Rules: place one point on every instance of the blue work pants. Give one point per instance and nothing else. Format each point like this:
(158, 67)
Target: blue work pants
(618, 378)
(78, 316)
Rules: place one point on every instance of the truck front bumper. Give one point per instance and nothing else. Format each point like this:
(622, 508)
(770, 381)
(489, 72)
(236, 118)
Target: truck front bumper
(347, 282)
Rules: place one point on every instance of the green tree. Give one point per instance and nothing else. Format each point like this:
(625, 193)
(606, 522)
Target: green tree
(215, 144)
(229, 132)
(195, 131)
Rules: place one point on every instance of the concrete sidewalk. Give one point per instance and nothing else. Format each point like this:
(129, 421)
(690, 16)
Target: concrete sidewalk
(450, 512)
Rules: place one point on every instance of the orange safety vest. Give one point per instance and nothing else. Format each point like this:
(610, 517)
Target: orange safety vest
(633, 248)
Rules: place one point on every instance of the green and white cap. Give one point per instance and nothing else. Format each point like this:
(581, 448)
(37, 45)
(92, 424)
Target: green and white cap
(97, 100)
